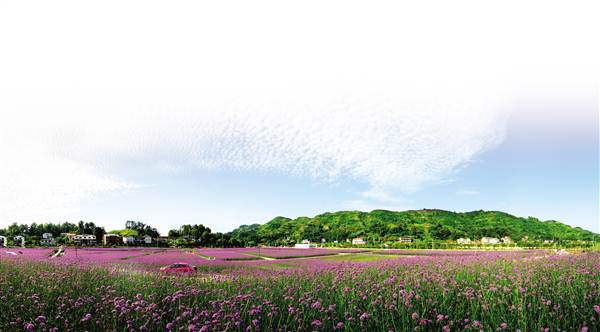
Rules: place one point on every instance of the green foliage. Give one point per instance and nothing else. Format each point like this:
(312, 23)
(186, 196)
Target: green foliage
(380, 226)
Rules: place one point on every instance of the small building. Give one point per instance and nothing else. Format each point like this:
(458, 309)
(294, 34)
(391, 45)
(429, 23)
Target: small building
(19, 241)
(3, 241)
(112, 240)
(148, 239)
(489, 240)
(162, 239)
(463, 241)
(406, 239)
(129, 240)
(84, 240)
(507, 240)
(305, 244)
(47, 240)
(358, 241)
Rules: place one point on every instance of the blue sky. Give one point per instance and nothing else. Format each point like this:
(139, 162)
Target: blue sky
(198, 113)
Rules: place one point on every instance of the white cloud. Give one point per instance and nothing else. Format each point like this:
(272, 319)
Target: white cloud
(393, 96)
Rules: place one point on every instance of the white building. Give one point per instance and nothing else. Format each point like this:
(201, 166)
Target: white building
(358, 241)
(129, 240)
(305, 244)
(84, 240)
(47, 240)
(19, 241)
(3, 241)
(489, 240)
(463, 241)
(148, 239)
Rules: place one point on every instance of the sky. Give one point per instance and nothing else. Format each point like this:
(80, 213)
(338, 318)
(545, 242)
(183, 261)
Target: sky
(230, 113)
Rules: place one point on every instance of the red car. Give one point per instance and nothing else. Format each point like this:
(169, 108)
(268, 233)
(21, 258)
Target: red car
(178, 268)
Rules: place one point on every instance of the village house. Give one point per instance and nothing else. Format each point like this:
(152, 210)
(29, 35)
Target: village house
(19, 241)
(112, 240)
(47, 240)
(405, 239)
(358, 241)
(148, 240)
(129, 240)
(463, 241)
(305, 244)
(489, 240)
(84, 240)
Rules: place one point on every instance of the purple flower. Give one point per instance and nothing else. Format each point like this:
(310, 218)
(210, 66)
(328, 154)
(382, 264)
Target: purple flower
(365, 316)
(29, 326)
(503, 326)
(597, 309)
(316, 323)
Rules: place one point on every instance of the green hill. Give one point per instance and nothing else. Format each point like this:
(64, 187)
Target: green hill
(380, 226)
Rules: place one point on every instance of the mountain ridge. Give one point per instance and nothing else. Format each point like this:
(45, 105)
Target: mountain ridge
(379, 226)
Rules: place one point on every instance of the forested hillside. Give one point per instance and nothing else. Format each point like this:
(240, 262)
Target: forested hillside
(380, 226)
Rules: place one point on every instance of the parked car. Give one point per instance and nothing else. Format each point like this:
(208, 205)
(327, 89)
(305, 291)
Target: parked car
(178, 268)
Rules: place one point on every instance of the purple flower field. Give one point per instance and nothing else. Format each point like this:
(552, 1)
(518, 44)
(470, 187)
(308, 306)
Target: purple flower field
(122, 290)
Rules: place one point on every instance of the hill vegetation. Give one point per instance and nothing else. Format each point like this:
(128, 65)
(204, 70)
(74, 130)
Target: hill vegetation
(382, 226)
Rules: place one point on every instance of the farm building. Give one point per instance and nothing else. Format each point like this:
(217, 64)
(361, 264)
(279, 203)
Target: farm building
(463, 241)
(47, 240)
(85, 240)
(112, 240)
(358, 241)
(489, 240)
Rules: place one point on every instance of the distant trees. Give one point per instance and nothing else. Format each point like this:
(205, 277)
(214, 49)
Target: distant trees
(200, 235)
(141, 228)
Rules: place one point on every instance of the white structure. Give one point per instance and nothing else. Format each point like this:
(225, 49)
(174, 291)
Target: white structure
(489, 240)
(405, 239)
(358, 241)
(507, 240)
(47, 240)
(463, 241)
(3, 241)
(85, 240)
(305, 244)
(19, 241)
(148, 239)
(129, 240)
